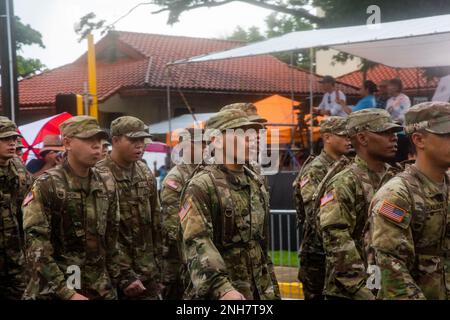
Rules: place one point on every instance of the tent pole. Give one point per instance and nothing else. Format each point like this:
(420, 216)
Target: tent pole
(169, 107)
(311, 97)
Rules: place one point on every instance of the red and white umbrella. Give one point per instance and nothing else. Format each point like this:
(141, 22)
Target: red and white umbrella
(34, 133)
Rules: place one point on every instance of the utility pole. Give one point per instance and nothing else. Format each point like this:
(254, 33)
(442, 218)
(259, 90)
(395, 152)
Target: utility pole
(92, 76)
(8, 61)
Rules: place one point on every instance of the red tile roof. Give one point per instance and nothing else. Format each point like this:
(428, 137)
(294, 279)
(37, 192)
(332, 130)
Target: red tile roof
(412, 78)
(148, 54)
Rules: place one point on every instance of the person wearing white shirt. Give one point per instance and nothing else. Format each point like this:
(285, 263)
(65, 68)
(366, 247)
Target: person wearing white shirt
(334, 101)
(399, 103)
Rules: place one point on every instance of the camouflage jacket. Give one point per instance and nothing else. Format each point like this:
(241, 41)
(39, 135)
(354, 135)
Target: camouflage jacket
(65, 228)
(342, 218)
(224, 220)
(140, 222)
(305, 187)
(15, 182)
(171, 189)
(410, 235)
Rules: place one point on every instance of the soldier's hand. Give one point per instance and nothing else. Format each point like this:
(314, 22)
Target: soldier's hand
(78, 297)
(232, 295)
(135, 289)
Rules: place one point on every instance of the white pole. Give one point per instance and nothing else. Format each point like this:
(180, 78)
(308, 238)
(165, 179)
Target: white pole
(311, 97)
(10, 62)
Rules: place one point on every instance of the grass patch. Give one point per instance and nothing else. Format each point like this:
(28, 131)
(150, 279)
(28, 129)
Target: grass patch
(284, 258)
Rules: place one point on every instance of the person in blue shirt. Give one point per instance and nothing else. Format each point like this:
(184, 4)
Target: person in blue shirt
(368, 92)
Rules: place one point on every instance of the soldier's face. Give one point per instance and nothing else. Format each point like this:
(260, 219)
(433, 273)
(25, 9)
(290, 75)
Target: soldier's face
(382, 145)
(87, 152)
(341, 144)
(437, 148)
(7, 148)
(130, 149)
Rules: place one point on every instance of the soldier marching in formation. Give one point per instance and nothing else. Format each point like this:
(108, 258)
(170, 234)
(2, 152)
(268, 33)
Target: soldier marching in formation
(336, 146)
(93, 227)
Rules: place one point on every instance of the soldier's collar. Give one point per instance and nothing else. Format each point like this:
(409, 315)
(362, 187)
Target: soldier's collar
(328, 159)
(430, 188)
(70, 176)
(237, 178)
(118, 172)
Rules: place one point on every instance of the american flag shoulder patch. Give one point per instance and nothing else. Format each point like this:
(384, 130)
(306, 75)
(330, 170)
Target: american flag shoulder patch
(172, 184)
(185, 209)
(392, 211)
(28, 198)
(304, 182)
(326, 199)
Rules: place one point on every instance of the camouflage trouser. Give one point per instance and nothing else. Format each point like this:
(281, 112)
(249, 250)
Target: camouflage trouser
(312, 275)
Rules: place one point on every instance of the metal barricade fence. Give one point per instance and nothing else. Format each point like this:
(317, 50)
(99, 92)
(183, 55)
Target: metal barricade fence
(284, 244)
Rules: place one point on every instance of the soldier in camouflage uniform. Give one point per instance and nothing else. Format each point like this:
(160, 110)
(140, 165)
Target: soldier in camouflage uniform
(224, 219)
(173, 263)
(252, 113)
(71, 224)
(15, 182)
(140, 211)
(410, 228)
(312, 257)
(344, 207)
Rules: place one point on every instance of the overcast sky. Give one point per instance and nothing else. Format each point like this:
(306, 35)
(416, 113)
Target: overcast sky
(55, 19)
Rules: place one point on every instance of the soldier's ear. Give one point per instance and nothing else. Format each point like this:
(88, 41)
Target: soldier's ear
(115, 140)
(362, 139)
(418, 138)
(67, 143)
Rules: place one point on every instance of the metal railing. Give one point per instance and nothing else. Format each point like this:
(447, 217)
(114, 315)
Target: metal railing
(284, 244)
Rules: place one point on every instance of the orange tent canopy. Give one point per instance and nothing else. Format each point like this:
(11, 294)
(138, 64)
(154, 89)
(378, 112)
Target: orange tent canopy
(279, 110)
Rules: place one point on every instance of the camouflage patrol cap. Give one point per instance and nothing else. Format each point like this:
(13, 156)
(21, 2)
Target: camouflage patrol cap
(82, 127)
(192, 135)
(433, 117)
(231, 119)
(373, 120)
(130, 127)
(249, 109)
(8, 128)
(334, 125)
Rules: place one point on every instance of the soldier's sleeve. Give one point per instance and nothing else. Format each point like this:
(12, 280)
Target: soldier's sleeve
(298, 202)
(337, 219)
(206, 266)
(44, 272)
(392, 242)
(170, 202)
(308, 185)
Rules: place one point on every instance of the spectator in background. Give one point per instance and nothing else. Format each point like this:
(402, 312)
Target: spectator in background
(105, 148)
(368, 101)
(398, 103)
(19, 149)
(397, 106)
(383, 94)
(333, 99)
(50, 156)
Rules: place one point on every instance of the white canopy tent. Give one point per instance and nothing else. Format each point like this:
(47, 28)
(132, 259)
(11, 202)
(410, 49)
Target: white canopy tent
(423, 42)
(181, 122)
(413, 43)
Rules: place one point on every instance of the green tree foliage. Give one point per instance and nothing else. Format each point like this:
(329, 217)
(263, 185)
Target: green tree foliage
(87, 25)
(291, 7)
(27, 36)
